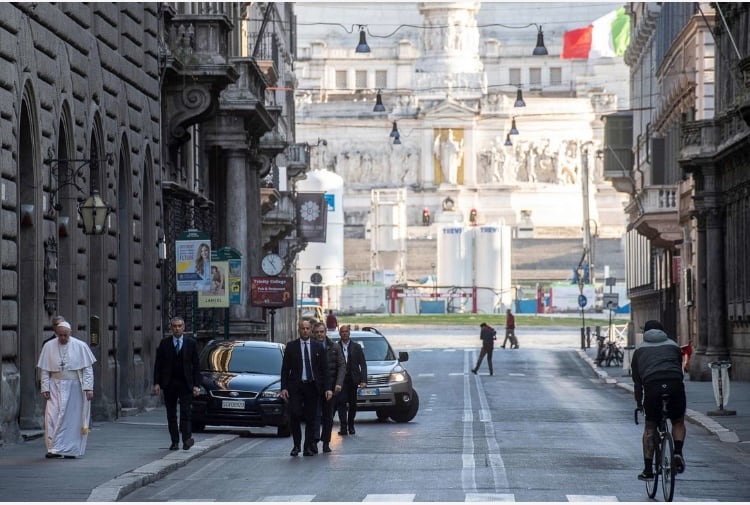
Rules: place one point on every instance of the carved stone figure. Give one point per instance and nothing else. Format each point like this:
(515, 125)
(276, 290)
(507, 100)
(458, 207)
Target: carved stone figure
(450, 154)
(491, 162)
(567, 167)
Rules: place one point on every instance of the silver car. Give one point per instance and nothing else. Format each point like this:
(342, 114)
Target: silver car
(389, 391)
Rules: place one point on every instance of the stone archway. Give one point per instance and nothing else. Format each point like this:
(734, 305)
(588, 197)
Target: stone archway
(30, 267)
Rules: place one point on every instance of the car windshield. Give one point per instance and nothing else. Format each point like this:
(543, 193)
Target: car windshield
(242, 359)
(376, 348)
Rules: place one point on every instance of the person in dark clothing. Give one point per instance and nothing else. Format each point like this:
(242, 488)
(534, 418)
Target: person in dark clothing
(177, 373)
(656, 368)
(331, 322)
(355, 376)
(510, 330)
(336, 371)
(304, 379)
(488, 335)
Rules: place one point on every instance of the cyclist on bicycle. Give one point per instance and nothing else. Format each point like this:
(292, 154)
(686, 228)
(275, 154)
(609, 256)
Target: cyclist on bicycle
(656, 367)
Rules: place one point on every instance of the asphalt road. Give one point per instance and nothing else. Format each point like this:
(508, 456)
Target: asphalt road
(543, 428)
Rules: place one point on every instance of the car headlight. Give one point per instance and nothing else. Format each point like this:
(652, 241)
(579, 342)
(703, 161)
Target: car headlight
(398, 377)
(271, 393)
(202, 391)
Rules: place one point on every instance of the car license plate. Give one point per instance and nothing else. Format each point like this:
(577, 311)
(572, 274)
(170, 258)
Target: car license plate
(369, 392)
(232, 404)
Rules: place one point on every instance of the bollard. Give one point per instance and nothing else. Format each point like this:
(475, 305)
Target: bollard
(583, 338)
(720, 379)
(588, 337)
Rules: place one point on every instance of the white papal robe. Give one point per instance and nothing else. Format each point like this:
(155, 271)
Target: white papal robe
(66, 372)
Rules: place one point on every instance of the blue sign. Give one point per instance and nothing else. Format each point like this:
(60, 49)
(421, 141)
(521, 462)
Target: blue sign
(582, 301)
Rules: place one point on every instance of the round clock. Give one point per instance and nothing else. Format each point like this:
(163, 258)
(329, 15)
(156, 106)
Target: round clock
(272, 264)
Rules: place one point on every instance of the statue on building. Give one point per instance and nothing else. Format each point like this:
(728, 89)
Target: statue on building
(491, 163)
(450, 154)
(567, 166)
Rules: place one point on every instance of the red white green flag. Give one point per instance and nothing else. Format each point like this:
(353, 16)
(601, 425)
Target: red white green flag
(606, 37)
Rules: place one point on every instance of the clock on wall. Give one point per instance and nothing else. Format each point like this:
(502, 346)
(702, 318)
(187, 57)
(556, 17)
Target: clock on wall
(272, 264)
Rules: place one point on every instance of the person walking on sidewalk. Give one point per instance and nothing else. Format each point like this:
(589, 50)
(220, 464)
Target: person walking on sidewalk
(656, 368)
(177, 374)
(510, 330)
(488, 335)
(67, 384)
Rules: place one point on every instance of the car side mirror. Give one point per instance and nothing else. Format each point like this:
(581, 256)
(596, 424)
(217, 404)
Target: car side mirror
(403, 356)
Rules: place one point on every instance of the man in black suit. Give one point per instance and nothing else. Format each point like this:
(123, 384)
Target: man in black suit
(177, 373)
(336, 370)
(304, 379)
(356, 376)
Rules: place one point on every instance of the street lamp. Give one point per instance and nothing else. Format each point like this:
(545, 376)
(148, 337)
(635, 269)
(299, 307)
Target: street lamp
(94, 212)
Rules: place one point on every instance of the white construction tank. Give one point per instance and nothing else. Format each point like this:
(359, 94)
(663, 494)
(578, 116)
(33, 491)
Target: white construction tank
(325, 258)
(454, 257)
(492, 267)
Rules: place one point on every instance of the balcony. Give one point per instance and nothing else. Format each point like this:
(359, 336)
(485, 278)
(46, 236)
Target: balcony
(297, 160)
(278, 220)
(196, 69)
(654, 213)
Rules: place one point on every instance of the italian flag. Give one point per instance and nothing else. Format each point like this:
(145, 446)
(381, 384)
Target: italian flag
(606, 37)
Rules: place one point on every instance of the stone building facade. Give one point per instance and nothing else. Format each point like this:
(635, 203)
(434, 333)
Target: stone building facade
(169, 112)
(682, 160)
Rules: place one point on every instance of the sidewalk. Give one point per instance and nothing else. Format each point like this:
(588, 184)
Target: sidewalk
(121, 456)
(132, 452)
(734, 430)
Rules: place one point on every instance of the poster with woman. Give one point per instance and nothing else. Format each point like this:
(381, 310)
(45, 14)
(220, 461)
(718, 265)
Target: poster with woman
(193, 261)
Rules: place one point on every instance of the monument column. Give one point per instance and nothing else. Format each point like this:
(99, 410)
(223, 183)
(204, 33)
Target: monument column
(237, 194)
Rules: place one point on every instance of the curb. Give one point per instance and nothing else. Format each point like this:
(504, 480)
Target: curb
(724, 434)
(126, 483)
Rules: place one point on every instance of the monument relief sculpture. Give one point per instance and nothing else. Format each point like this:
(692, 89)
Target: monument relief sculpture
(450, 154)
(567, 167)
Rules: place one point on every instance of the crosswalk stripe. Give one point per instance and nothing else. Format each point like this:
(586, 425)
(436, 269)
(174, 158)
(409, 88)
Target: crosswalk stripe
(503, 497)
(590, 497)
(290, 497)
(389, 497)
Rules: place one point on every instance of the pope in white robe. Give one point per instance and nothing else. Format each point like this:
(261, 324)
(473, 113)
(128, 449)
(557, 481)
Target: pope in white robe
(68, 386)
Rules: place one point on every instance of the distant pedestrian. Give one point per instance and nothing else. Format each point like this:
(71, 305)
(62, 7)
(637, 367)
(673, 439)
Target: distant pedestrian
(177, 374)
(336, 371)
(510, 330)
(331, 322)
(355, 376)
(488, 335)
(67, 383)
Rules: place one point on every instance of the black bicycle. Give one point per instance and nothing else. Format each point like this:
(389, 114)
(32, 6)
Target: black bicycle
(663, 459)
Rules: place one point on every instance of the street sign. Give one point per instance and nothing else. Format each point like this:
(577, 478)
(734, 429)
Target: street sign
(316, 278)
(582, 301)
(610, 301)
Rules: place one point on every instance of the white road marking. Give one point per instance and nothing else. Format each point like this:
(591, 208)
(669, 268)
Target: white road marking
(589, 497)
(426, 375)
(290, 498)
(499, 476)
(468, 475)
(389, 497)
(502, 497)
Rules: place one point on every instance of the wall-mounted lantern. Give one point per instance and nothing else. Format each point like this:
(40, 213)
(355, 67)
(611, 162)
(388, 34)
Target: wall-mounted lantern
(94, 212)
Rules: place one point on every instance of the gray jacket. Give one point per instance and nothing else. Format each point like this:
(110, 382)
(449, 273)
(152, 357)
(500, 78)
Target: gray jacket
(657, 358)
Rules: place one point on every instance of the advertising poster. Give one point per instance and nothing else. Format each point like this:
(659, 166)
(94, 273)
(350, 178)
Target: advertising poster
(218, 295)
(193, 261)
(234, 281)
(272, 292)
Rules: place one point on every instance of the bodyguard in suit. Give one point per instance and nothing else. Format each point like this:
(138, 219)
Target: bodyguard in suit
(336, 370)
(177, 373)
(304, 379)
(355, 376)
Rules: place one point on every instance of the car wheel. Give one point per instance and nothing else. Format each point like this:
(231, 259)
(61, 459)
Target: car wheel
(198, 426)
(407, 414)
(382, 415)
(283, 430)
